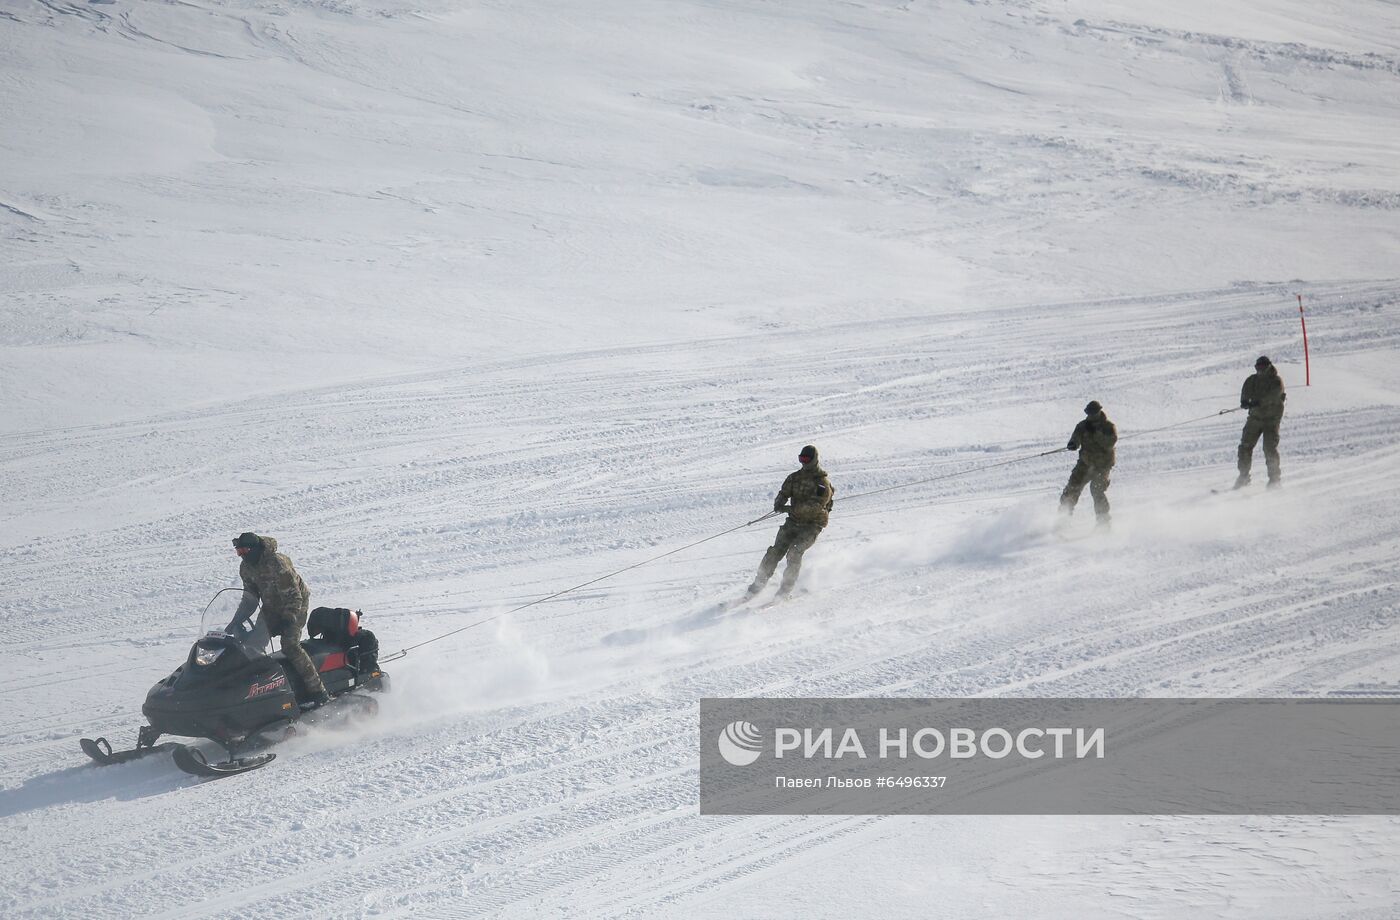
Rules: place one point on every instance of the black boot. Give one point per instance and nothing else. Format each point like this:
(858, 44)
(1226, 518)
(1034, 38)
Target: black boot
(317, 701)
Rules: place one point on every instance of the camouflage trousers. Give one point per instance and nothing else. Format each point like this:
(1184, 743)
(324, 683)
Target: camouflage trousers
(793, 540)
(1096, 477)
(1253, 429)
(288, 630)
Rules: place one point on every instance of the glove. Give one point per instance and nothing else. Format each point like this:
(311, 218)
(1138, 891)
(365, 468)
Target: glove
(830, 504)
(1072, 445)
(781, 509)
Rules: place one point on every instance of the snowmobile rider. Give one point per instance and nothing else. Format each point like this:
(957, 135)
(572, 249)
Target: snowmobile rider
(1095, 439)
(270, 578)
(1263, 395)
(806, 497)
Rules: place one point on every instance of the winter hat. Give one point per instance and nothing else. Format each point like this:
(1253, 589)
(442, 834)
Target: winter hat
(1262, 363)
(807, 454)
(1093, 408)
(247, 540)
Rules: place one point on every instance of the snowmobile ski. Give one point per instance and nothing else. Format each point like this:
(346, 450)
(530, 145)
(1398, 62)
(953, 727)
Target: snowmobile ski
(100, 750)
(192, 760)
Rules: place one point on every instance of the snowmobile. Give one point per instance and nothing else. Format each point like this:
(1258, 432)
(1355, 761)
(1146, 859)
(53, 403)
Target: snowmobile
(235, 691)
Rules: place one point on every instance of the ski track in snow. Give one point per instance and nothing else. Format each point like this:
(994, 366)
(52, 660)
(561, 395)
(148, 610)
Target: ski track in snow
(549, 765)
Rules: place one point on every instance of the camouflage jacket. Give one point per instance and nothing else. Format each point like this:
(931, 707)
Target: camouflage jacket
(1263, 395)
(807, 494)
(275, 582)
(1095, 438)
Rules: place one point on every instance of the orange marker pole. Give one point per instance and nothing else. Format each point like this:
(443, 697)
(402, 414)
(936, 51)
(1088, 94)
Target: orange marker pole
(1307, 365)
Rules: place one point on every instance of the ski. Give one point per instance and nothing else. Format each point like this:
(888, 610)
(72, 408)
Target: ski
(726, 606)
(745, 601)
(192, 760)
(779, 598)
(100, 750)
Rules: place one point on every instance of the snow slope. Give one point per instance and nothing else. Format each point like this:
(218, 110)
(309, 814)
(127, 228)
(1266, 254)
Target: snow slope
(468, 303)
(208, 200)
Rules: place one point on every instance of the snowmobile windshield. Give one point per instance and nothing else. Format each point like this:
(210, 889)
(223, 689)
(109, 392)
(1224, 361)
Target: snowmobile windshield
(234, 612)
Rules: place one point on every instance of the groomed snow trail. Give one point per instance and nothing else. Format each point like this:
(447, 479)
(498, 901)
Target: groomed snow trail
(546, 763)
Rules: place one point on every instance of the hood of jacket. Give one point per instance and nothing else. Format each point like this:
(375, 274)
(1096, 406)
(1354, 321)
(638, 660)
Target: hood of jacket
(269, 548)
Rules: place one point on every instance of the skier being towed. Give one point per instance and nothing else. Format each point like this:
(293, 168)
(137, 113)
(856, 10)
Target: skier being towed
(806, 497)
(269, 576)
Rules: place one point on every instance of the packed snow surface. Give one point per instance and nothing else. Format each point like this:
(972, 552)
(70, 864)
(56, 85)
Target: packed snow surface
(467, 303)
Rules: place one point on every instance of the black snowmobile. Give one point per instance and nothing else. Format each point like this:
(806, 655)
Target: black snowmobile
(234, 690)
